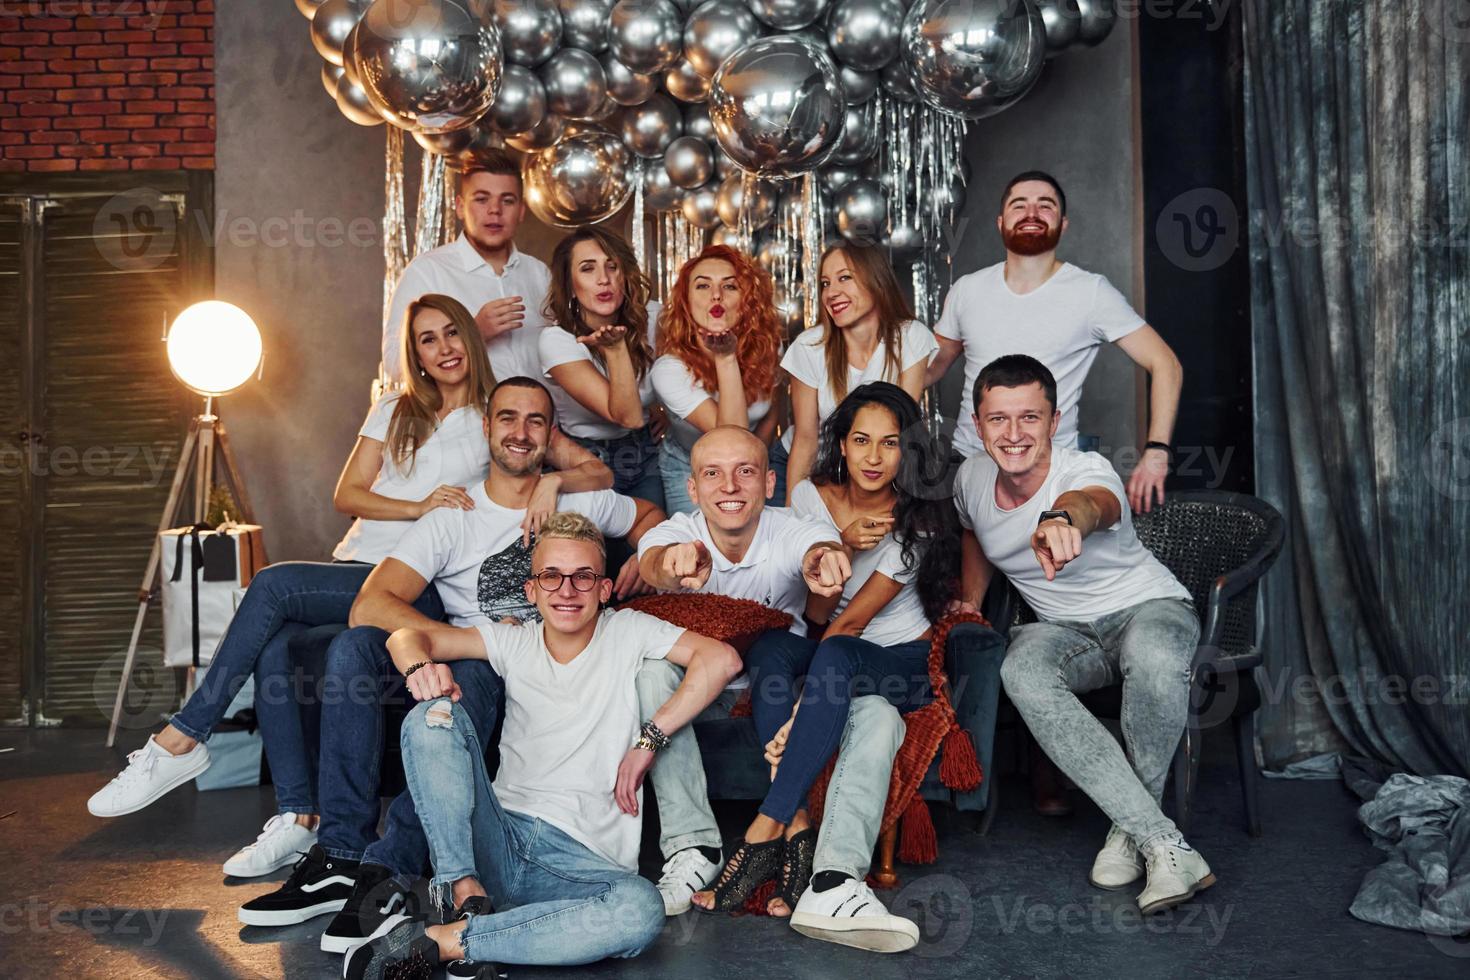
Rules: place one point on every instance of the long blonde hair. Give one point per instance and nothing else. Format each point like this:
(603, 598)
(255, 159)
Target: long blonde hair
(871, 268)
(416, 415)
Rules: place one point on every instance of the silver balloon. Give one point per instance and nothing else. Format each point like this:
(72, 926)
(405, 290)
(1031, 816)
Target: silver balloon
(625, 86)
(605, 112)
(581, 180)
(647, 35)
(834, 177)
(715, 30)
(584, 23)
(331, 23)
(356, 106)
(539, 137)
(724, 166)
(1095, 20)
(521, 104)
(429, 65)
(686, 84)
(777, 106)
(689, 162)
(862, 211)
(864, 33)
(948, 197)
(307, 8)
(1061, 19)
(574, 82)
(859, 86)
(731, 238)
(449, 144)
(730, 200)
(789, 310)
(331, 74)
(699, 206)
(859, 136)
(579, 127)
(648, 129)
(973, 58)
(530, 30)
(897, 81)
(773, 253)
(660, 193)
(787, 15)
(696, 121)
(904, 241)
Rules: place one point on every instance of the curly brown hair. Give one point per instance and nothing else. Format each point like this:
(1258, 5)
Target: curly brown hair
(759, 345)
(563, 310)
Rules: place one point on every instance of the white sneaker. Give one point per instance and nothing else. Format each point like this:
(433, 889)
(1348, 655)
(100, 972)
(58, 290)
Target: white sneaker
(1118, 864)
(851, 915)
(281, 842)
(1175, 872)
(684, 874)
(152, 771)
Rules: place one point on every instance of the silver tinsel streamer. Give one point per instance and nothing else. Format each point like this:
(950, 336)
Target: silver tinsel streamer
(430, 214)
(811, 246)
(449, 223)
(395, 225)
(640, 251)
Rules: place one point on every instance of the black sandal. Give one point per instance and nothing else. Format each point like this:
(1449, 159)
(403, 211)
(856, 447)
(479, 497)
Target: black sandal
(796, 868)
(751, 866)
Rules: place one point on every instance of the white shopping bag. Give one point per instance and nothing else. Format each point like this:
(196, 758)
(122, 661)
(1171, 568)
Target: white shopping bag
(205, 572)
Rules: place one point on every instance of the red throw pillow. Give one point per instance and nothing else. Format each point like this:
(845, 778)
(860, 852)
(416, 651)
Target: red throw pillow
(738, 622)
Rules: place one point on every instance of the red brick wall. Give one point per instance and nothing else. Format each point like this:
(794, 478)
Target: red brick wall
(106, 85)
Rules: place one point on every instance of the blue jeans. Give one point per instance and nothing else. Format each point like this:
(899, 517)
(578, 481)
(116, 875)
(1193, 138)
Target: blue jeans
(283, 600)
(360, 680)
(558, 903)
(673, 466)
(840, 669)
(633, 459)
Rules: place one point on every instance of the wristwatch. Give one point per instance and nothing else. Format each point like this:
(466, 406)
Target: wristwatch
(1048, 515)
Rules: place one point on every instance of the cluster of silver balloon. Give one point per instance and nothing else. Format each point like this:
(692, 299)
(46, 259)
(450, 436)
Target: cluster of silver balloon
(704, 113)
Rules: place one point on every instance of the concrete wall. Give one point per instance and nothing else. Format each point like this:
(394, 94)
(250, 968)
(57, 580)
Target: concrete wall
(1077, 124)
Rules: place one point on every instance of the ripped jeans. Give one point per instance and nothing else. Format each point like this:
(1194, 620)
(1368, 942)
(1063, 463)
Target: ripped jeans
(558, 903)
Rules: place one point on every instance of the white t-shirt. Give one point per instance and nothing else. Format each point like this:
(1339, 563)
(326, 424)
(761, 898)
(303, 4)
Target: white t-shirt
(568, 726)
(806, 361)
(1113, 572)
(475, 558)
(1061, 324)
(770, 572)
(457, 454)
(682, 393)
(557, 347)
(458, 271)
(903, 618)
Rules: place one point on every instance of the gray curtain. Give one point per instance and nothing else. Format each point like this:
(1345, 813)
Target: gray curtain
(1358, 175)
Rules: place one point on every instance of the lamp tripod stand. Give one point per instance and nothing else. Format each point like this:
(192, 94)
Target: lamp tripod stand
(206, 435)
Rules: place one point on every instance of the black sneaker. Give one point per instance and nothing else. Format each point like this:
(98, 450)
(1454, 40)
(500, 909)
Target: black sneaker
(318, 884)
(375, 896)
(465, 969)
(401, 953)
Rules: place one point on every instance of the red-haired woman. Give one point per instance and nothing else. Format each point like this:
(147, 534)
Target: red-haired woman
(719, 343)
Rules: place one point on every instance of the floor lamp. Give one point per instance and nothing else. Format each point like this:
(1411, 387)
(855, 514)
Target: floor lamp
(213, 348)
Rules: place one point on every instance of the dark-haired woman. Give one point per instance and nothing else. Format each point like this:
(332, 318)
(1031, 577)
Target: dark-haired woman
(597, 355)
(868, 333)
(874, 460)
(418, 450)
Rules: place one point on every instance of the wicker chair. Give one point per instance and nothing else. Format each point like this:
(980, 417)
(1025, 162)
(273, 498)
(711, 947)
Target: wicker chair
(1218, 545)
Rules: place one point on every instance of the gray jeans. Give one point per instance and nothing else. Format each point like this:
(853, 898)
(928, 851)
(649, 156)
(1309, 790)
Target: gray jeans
(853, 811)
(1149, 648)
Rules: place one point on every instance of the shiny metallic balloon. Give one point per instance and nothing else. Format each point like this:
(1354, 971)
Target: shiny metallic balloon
(625, 86)
(584, 23)
(859, 86)
(903, 240)
(539, 137)
(521, 104)
(574, 82)
(330, 25)
(307, 8)
(777, 106)
(686, 84)
(1062, 21)
(834, 177)
(724, 166)
(696, 121)
(787, 15)
(859, 136)
(948, 197)
(898, 82)
(429, 65)
(648, 129)
(864, 33)
(1095, 20)
(355, 104)
(731, 237)
(689, 162)
(790, 310)
(581, 180)
(773, 253)
(660, 193)
(331, 74)
(530, 30)
(973, 58)
(715, 30)
(647, 35)
(730, 200)
(862, 211)
(604, 114)
(450, 144)
(699, 206)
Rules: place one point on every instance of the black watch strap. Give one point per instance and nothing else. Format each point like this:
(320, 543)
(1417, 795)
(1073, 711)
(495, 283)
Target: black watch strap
(1168, 449)
(1048, 515)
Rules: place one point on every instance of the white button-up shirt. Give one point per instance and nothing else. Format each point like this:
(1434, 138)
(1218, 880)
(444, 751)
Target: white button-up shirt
(459, 271)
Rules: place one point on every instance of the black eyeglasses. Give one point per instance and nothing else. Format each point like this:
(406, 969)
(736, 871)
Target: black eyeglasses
(582, 580)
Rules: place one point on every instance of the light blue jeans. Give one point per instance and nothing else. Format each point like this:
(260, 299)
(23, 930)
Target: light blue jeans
(673, 467)
(558, 903)
(1149, 647)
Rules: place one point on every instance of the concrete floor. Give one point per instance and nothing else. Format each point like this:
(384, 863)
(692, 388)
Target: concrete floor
(143, 896)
